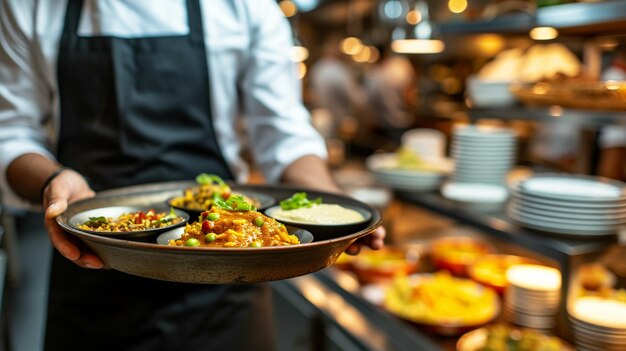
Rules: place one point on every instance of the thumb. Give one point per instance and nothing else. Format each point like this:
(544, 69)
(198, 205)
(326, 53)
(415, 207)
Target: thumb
(58, 201)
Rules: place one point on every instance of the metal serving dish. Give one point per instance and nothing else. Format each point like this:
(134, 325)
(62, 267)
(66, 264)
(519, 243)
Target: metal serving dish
(211, 265)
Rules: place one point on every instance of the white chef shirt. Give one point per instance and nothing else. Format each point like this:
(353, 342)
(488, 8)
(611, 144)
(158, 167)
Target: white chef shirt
(251, 75)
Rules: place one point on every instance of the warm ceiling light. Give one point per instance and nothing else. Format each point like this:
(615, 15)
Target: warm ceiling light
(374, 54)
(457, 6)
(288, 7)
(364, 55)
(543, 33)
(301, 70)
(351, 46)
(413, 17)
(299, 53)
(417, 46)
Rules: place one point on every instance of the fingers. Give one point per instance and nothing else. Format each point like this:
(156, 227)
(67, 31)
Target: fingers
(56, 198)
(374, 241)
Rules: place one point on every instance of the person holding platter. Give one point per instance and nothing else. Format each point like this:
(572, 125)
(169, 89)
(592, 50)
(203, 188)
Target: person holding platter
(102, 94)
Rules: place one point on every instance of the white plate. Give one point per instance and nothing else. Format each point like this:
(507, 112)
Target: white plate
(562, 230)
(474, 192)
(482, 131)
(570, 223)
(597, 206)
(572, 187)
(564, 210)
(558, 213)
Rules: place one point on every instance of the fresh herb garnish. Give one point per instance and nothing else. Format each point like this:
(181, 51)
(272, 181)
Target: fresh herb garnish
(233, 203)
(207, 179)
(169, 217)
(96, 221)
(299, 200)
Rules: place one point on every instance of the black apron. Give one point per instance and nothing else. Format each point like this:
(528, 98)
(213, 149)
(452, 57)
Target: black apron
(137, 111)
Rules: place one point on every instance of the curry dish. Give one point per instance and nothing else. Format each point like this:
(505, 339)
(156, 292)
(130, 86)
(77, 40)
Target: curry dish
(224, 228)
(129, 222)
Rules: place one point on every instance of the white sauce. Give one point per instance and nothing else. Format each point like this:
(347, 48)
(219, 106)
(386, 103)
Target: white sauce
(319, 214)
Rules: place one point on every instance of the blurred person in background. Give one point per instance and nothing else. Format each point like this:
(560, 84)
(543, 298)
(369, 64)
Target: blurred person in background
(102, 94)
(337, 98)
(391, 90)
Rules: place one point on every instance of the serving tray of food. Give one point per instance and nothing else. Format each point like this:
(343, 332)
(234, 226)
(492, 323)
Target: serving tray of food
(208, 259)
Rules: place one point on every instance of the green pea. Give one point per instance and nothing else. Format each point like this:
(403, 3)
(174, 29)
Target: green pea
(213, 216)
(255, 244)
(259, 221)
(192, 242)
(210, 237)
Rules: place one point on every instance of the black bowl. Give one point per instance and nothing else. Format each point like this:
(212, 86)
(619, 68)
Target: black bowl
(327, 231)
(116, 211)
(264, 201)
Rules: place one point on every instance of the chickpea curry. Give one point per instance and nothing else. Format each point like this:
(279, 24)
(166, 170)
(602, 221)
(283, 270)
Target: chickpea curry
(221, 227)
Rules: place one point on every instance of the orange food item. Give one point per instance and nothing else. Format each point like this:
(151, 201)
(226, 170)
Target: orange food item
(490, 270)
(224, 228)
(457, 254)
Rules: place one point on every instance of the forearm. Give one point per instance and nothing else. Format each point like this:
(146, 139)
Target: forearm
(27, 174)
(311, 172)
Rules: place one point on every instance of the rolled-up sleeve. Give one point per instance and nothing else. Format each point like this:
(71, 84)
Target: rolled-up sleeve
(24, 96)
(278, 125)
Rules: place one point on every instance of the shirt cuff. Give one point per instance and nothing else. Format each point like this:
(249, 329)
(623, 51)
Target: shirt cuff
(288, 152)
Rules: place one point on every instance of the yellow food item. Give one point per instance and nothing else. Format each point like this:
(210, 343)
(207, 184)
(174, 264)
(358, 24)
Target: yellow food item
(503, 338)
(410, 160)
(224, 228)
(129, 222)
(441, 299)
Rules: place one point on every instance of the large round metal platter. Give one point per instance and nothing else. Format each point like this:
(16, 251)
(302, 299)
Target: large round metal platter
(574, 187)
(211, 265)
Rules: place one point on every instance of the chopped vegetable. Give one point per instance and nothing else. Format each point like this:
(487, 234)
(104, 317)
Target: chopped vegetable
(192, 242)
(255, 244)
(95, 221)
(210, 237)
(233, 203)
(170, 216)
(206, 179)
(258, 221)
(213, 216)
(299, 200)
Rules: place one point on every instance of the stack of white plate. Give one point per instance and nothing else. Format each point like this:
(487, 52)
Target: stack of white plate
(532, 296)
(384, 168)
(482, 154)
(598, 324)
(575, 205)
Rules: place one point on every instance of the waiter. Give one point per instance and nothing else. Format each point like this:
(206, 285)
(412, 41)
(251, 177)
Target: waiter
(102, 94)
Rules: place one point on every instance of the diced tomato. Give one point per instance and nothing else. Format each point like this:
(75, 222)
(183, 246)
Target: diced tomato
(207, 226)
(140, 217)
(225, 195)
(203, 215)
